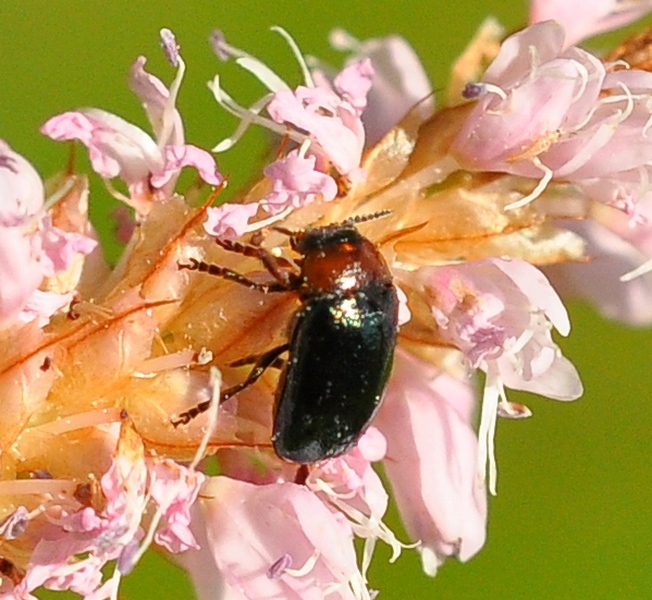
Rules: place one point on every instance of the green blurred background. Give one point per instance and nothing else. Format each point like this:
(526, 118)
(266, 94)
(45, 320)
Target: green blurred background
(573, 518)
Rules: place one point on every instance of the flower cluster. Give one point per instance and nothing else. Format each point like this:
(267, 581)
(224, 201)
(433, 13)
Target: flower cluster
(531, 182)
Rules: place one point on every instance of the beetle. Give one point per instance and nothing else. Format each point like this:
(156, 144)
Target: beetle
(341, 343)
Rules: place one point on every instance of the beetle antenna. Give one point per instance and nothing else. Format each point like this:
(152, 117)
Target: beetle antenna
(350, 221)
(369, 217)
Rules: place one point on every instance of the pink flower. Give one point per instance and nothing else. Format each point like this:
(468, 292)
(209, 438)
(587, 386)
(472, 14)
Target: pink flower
(618, 243)
(351, 486)
(399, 81)
(500, 313)
(330, 116)
(31, 248)
(295, 182)
(586, 19)
(229, 220)
(552, 114)
(149, 167)
(59, 248)
(40, 306)
(174, 489)
(431, 462)
(21, 200)
(132, 483)
(276, 540)
(323, 116)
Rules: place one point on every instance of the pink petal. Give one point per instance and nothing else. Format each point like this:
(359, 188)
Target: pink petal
(229, 220)
(21, 204)
(174, 489)
(399, 83)
(20, 271)
(354, 82)
(21, 188)
(154, 96)
(250, 528)
(59, 248)
(177, 157)
(533, 283)
(431, 458)
(614, 249)
(334, 124)
(582, 19)
(514, 60)
(42, 305)
(296, 182)
(116, 147)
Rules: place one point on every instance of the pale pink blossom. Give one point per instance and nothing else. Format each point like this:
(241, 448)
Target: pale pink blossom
(548, 113)
(40, 306)
(295, 182)
(325, 116)
(399, 81)
(431, 461)
(229, 220)
(352, 487)
(500, 314)
(31, 248)
(174, 489)
(617, 243)
(21, 199)
(331, 117)
(133, 484)
(59, 248)
(583, 19)
(502, 311)
(148, 166)
(276, 540)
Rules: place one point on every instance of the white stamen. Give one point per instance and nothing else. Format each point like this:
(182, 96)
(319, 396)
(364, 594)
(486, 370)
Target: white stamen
(430, 561)
(538, 190)
(266, 222)
(584, 76)
(307, 76)
(368, 527)
(245, 120)
(170, 105)
(490, 88)
(263, 73)
(646, 267)
(522, 340)
(308, 566)
(216, 386)
(533, 51)
(620, 115)
(486, 452)
(60, 193)
(248, 116)
(648, 123)
(116, 194)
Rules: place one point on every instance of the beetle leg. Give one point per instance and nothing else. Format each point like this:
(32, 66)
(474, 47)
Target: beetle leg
(264, 361)
(270, 262)
(302, 475)
(212, 269)
(278, 363)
